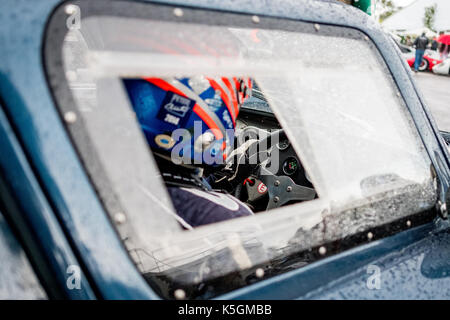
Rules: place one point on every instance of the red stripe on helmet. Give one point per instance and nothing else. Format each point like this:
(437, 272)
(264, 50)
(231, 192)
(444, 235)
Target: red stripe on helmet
(224, 97)
(233, 95)
(164, 85)
(160, 83)
(237, 84)
(209, 121)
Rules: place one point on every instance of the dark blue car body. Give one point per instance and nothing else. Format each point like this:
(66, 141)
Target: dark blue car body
(52, 213)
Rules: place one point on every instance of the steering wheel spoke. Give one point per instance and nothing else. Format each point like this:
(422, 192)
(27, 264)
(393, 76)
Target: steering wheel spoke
(282, 189)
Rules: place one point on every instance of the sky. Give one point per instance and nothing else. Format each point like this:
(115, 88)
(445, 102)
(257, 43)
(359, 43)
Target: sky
(402, 3)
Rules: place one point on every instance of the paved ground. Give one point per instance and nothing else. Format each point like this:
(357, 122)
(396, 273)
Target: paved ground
(436, 90)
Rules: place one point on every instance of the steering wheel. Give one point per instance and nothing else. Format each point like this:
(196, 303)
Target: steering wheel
(281, 189)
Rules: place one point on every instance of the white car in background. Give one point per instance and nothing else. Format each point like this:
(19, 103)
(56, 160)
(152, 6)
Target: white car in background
(443, 67)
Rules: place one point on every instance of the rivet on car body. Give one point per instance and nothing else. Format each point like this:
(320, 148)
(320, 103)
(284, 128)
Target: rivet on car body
(259, 273)
(255, 19)
(120, 218)
(70, 117)
(322, 250)
(289, 189)
(408, 223)
(70, 9)
(317, 27)
(277, 183)
(178, 12)
(276, 199)
(179, 294)
(370, 235)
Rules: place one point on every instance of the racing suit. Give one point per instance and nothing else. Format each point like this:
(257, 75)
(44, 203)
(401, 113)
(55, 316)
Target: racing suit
(194, 200)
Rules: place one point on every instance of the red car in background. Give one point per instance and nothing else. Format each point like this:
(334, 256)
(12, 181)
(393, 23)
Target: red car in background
(427, 62)
(430, 58)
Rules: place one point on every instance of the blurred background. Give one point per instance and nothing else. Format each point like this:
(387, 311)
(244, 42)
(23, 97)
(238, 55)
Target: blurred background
(405, 21)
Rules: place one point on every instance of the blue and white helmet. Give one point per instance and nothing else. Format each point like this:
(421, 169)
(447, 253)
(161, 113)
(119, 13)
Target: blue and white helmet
(192, 119)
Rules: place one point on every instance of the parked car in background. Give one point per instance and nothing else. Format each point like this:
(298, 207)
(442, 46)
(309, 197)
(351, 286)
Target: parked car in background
(430, 59)
(442, 67)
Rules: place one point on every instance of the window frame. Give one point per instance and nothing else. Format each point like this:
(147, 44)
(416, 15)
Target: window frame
(62, 92)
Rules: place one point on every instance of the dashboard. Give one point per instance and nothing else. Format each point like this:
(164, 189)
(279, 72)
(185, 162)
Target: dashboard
(286, 169)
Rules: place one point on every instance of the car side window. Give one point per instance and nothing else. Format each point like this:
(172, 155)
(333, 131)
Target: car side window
(334, 121)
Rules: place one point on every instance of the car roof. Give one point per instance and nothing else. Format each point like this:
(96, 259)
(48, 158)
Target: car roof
(334, 11)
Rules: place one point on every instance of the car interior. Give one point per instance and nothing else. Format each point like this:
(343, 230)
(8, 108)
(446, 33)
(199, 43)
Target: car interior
(263, 170)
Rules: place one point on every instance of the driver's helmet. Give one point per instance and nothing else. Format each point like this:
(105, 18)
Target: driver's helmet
(204, 108)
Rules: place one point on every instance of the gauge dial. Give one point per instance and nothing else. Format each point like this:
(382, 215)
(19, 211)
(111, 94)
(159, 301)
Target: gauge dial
(290, 166)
